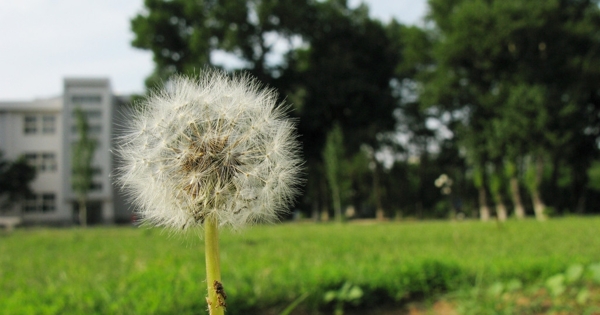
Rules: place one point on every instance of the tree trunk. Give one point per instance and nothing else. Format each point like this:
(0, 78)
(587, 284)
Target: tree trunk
(581, 203)
(337, 203)
(579, 188)
(325, 214)
(484, 210)
(553, 189)
(419, 210)
(538, 206)
(82, 213)
(315, 210)
(324, 201)
(501, 211)
(516, 198)
(398, 216)
(379, 213)
(538, 203)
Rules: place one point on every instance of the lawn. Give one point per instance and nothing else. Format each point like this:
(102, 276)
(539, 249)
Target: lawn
(474, 265)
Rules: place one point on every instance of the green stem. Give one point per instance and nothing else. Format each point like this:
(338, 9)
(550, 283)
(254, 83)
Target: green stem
(216, 294)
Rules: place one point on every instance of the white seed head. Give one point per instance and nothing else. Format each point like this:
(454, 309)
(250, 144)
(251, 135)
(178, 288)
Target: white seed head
(215, 146)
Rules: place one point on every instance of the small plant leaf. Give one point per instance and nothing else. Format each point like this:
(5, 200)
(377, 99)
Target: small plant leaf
(496, 289)
(294, 304)
(330, 296)
(574, 273)
(583, 296)
(595, 272)
(556, 284)
(514, 285)
(355, 293)
(343, 292)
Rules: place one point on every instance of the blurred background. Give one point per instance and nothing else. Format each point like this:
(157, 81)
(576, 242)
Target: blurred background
(438, 109)
(418, 119)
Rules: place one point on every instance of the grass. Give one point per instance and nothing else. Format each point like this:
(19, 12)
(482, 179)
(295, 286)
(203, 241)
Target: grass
(124, 270)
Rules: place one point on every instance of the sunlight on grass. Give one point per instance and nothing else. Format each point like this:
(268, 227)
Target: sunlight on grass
(124, 270)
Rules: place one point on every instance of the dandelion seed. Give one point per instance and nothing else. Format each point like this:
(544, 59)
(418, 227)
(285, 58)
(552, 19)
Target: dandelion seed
(213, 147)
(206, 152)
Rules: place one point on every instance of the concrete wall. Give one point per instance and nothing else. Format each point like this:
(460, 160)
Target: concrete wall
(105, 111)
(95, 98)
(45, 144)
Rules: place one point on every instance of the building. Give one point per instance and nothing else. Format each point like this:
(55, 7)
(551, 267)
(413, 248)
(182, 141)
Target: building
(44, 131)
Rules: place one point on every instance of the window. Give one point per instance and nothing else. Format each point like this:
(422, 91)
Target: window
(95, 129)
(89, 114)
(48, 162)
(45, 202)
(94, 114)
(48, 124)
(30, 204)
(48, 203)
(30, 124)
(86, 99)
(33, 124)
(95, 186)
(31, 159)
(94, 171)
(97, 144)
(92, 129)
(43, 162)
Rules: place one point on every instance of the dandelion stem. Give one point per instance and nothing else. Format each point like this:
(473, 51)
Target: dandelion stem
(216, 295)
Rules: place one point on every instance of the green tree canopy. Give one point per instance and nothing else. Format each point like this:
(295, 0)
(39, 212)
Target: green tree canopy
(82, 155)
(337, 67)
(15, 177)
(519, 75)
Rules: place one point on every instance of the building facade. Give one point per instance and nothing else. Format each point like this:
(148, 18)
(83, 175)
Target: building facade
(44, 131)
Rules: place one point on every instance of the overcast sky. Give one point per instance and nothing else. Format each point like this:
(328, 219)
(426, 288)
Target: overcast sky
(43, 41)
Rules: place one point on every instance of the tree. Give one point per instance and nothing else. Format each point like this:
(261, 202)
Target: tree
(479, 182)
(343, 75)
(82, 156)
(499, 60)
(496, 188)
(336, 170)
(424, 147)
(337, 68)
(15, 177)
(182, 34)
(510, 170)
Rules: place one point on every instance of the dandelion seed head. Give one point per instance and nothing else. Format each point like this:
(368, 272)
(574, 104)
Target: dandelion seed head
(215, 146)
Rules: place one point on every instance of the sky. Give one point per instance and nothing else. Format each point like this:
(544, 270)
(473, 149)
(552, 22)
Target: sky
(44, 41)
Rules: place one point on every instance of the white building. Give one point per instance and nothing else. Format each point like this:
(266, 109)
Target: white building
(43, 131)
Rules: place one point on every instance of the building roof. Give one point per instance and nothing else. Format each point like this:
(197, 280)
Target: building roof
(47, 104)
(87, 82)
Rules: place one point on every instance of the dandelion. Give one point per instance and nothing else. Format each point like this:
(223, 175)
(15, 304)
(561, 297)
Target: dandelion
(214, 151)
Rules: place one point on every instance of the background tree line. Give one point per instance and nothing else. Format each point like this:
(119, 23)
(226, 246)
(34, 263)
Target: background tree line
(502, 96)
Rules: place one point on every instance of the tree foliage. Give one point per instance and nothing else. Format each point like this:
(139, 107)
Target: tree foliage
(501, 95)
(521, 73)
(336, 69)
(15, 178)
(82, 155)
(183, 34)
(336, 169)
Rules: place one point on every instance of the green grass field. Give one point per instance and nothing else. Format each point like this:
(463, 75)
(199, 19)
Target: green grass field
(126, 270)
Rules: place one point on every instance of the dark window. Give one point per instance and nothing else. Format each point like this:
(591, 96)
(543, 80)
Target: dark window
(30, 124)
(86, 99)
(48, 124)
